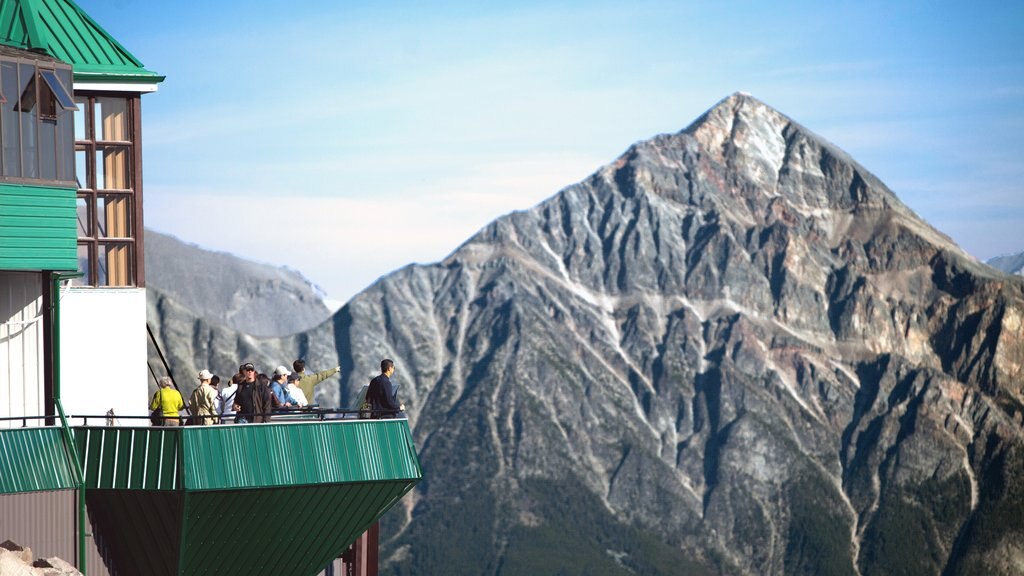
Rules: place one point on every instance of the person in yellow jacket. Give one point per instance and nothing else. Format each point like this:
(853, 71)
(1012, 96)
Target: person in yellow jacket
(169, 401)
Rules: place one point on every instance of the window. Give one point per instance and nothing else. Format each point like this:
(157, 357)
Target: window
(36, 115)
(107, 189)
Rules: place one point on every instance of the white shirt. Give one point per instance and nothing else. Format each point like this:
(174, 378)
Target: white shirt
(227, 401)
(297, 393)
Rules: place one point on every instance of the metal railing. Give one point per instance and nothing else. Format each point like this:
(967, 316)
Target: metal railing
(296, 415)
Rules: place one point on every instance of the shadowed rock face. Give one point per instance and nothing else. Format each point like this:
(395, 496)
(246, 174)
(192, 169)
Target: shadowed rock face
(733, 350)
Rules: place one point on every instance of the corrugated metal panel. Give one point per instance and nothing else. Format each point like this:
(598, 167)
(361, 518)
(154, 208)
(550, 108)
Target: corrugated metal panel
(281, 531)
(300, 530)
(250, 456)
(299, 453)
(130, 458)
(37, 228)
(65, 32)
(137, 531)
(33, 460)
(22, 321)
(288, 497)
(42, 521)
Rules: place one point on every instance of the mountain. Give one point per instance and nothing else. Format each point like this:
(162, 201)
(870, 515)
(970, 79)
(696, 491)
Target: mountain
(1011, 264)
(732, 350)
(245, 296)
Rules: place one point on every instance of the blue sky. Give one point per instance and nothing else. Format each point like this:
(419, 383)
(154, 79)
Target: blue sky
(348, 139)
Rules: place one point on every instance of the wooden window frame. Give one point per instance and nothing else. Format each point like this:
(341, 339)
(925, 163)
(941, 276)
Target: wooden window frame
(133, 239)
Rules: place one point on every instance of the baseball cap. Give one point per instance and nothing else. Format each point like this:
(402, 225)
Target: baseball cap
(282, 371)
(205, 375)
(246, 366)
(294, 378)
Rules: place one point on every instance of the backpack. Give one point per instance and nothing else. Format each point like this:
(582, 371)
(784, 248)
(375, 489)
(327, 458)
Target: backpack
(364, 403)
(156, 416)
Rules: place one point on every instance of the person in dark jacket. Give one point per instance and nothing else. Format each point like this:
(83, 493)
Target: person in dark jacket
(382, 393)
(253, 401)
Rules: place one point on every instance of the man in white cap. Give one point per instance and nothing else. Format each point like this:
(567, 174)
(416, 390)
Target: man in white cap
(203, 401)
(279, 386)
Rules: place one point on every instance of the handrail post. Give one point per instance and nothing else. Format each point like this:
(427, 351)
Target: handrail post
(69, 440)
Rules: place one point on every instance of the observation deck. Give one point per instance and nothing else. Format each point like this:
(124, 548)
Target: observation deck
(284, 497)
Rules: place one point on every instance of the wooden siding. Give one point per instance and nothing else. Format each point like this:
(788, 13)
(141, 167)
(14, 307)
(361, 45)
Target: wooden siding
(37, 228)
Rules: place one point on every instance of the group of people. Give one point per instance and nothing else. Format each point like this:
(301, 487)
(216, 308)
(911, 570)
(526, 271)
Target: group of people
(251, 397)
(248, 397)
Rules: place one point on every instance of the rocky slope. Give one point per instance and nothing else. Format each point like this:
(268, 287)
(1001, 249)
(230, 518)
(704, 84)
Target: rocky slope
(247, 297)
(1011, 264)
(731, 351)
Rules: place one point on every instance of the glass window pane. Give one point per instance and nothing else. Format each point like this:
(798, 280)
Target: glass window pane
(101, 269)
(112, 168)
(112, 119)
(80, 167)
(60, 93)
(48, 150)
(66, 147)
(83, 265)
(11, 119)
(115, 265)
(80, 118)
(27, 109)
(113, 216)
(82, 210)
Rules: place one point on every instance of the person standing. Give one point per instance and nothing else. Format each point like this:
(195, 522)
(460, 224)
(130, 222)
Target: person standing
(296, 392)
(244, 408)
(253, 401)
(169, 401)
(227, 400)
(203, 401)
(279, 387)
(382, 394)
(308, 380)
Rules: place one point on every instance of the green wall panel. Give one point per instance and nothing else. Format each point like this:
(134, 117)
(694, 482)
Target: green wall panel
(288, 498)
(293, 531)
(34, 460)
(39, 228)
(219, 457)
(130, 458)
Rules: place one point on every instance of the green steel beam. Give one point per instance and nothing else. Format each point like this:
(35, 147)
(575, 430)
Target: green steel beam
(69, 441)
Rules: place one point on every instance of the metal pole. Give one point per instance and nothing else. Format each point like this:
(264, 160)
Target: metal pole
(68, 439)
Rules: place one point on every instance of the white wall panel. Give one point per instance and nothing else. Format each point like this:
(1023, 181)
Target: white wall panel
(103, 352)
(21, 345)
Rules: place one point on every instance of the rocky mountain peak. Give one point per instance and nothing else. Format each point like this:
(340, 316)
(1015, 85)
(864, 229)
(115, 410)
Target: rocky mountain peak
(732, 350)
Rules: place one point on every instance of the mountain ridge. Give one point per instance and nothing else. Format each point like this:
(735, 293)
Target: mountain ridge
(222, 287)
(731, 349)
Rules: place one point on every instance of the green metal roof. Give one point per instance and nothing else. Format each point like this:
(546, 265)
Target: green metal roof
(34, 460)
(62, 30)
(287, 498)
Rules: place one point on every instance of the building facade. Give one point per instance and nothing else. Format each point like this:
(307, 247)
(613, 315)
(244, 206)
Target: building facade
(73, 344)
(71, 214)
